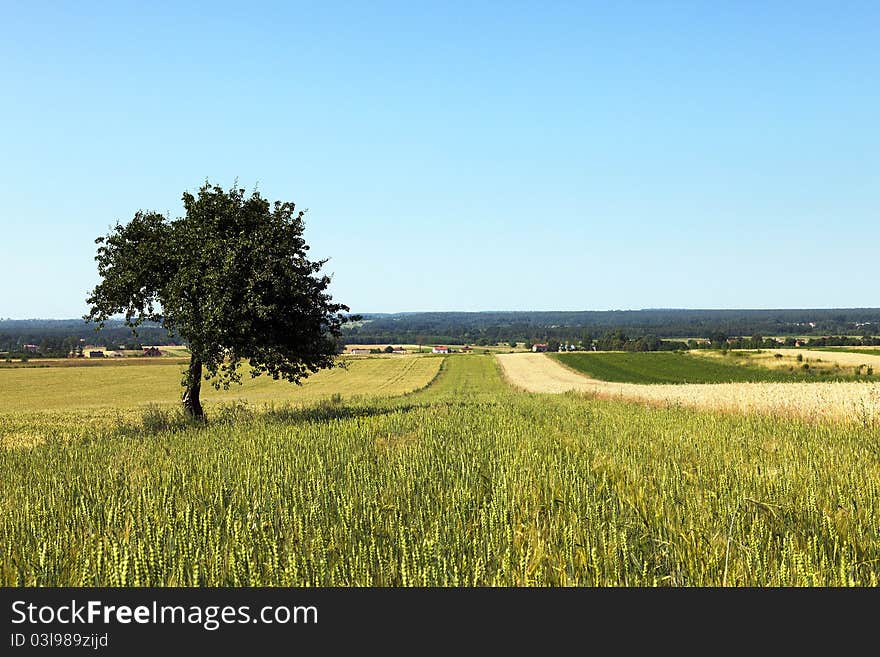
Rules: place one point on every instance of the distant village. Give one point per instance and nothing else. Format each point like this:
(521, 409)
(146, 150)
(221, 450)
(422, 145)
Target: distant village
(562, 347)
(435, 349)
(362, 350)
(121, 352)
(95, 351)
(104, 352)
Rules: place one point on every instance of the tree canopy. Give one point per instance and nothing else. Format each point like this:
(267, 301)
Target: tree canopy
(232, 278)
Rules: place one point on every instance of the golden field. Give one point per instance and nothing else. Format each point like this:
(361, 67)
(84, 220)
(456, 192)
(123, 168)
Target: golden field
(465, 482)
(858, 401)
(123, 385)
(73, 401)
(788, 358)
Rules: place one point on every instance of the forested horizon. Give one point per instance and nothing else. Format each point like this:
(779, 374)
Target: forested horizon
(488, 327)
(501, 326)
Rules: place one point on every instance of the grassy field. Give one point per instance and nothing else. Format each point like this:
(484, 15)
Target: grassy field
(672, 367)
(809, 363)
(158, 382)
(475, 380)
(464, 482)
(845, 401)
(40, 404)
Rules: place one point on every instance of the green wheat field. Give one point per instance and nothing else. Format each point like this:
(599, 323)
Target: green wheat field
(420, 472)
(671, 367)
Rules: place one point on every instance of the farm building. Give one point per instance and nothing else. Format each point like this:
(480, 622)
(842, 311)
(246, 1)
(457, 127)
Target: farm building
(96, 353)
(32, 348)
(359, 351)
(398, 350)
(540, 346)
(152, 351)
(440, 349)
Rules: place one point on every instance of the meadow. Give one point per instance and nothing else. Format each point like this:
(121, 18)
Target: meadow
(696, 367)
(818, 365)
(67, 402)
(463, 481)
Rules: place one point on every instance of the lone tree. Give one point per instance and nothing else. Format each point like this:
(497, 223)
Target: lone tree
(232, 278)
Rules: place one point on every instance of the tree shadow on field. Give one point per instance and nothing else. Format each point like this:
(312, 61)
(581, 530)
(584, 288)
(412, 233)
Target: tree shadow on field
(156, 419)
(328, 412)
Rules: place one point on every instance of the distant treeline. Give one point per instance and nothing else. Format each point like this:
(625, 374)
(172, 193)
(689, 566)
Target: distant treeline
(59, 337)
(571, 327)
(721, 341)
(627, 330)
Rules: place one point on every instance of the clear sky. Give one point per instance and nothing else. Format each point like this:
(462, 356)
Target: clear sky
(461, 156)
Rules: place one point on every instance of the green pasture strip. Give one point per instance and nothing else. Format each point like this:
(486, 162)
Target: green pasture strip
(666, 367)
(465, 378)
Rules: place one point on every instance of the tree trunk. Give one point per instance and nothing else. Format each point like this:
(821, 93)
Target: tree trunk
(192, 406)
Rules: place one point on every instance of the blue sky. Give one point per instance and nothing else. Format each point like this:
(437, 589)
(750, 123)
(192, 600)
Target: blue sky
(461, 156)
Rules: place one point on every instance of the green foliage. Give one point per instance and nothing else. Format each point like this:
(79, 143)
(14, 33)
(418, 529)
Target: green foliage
(665, 367)
(232, 278)
(618, 341)
(571, 326)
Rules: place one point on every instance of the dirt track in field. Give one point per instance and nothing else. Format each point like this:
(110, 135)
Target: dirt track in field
(846, 400)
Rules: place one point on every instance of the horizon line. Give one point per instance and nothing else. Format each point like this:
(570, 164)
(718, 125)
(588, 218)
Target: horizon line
(475, 312)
